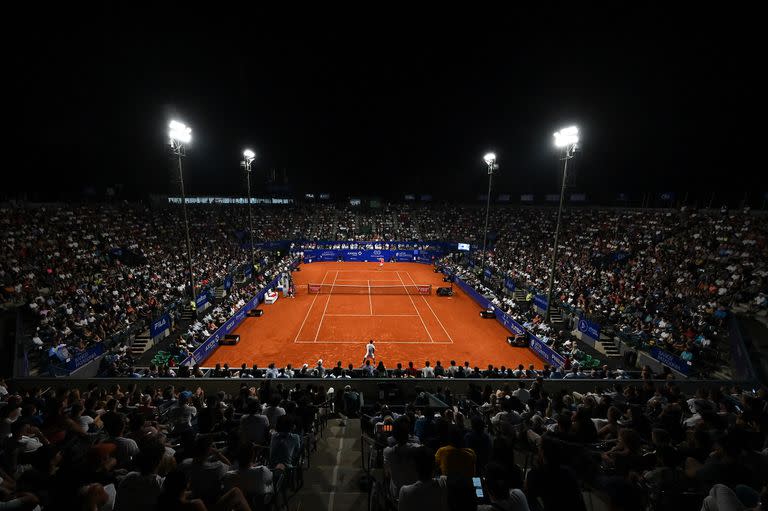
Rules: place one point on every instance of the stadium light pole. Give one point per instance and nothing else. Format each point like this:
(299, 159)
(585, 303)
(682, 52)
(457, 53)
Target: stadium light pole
(248, 157)
(490, 162)
(566, 139)
(180, 135)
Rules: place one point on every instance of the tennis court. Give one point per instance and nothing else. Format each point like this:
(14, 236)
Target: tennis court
(340, 306)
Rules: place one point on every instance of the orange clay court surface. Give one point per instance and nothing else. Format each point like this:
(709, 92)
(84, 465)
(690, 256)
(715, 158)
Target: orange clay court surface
(404, 327)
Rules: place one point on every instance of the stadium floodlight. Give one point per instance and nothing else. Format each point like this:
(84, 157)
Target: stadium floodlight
(567, 137)
(248, 157)
(179, 135)
(490, 161)
(568, 140)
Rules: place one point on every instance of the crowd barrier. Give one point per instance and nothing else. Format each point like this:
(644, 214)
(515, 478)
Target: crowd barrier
(369, 387)
(541, 350)
(416, 255)
(205, 350)
(85, 356)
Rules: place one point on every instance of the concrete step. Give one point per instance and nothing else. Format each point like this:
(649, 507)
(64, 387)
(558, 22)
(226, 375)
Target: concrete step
(609, 348)
(140, 345)
(333, 481)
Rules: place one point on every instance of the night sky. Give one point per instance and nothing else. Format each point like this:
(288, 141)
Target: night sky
(384, 103)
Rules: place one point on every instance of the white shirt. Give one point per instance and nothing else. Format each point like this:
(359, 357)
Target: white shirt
(253, 480)
(522, 394)
(369, 349)
(419, 496)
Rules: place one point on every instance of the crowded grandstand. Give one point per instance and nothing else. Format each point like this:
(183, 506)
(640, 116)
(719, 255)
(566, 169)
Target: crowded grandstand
(347, 283)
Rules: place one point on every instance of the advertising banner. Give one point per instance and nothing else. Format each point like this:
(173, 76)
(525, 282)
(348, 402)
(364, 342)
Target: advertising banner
(360, 255)
(209, 346)
(202, 299)
(543, 351)
(159, 325)
(509, 283)
(85, 356)
(406, 255)
(228, 282)
(546, 353)
(589, 328)
(670, 360)
(540, 301)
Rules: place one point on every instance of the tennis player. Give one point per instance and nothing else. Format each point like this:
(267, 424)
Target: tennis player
(381, 263)
(370, 351)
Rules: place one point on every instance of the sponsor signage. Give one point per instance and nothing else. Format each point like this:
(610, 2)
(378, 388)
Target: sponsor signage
(85, 356)
(670, 360)
(589, 328)
(544, 352)
(160, 325)
(540, 301)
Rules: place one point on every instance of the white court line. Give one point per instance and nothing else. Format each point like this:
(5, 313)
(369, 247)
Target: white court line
(326, 306)
(309, 310)
(370, 300)
(366, 271)
(372, 315)
(377, 342)
(430, 308)
(417, 310)
(370, 280)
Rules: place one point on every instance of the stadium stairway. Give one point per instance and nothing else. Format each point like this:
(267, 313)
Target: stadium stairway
(609, 347)
(557, 319)
(333, 483)
(220, 292)
(187, 314)
(141, 343)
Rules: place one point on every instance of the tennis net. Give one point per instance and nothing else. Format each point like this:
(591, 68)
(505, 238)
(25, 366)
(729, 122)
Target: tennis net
(361, 289)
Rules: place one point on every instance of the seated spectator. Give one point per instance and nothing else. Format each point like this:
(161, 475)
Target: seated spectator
(399, 459)
(254, 425)
(141, 489)
(554, 472)
(454, 460)
(426, 493)
(252, 479)
(285, 446)
(503, 490)
(205, 470)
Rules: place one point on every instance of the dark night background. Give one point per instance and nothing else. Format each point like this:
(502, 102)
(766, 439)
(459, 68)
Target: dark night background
(383, 103)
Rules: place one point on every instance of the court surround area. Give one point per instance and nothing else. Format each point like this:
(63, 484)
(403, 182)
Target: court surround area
(340, 306)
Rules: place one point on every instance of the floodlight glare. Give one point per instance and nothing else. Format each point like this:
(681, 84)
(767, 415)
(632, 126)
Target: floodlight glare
(249, 154)
(489, 158)
(567, 137)
(179, 132)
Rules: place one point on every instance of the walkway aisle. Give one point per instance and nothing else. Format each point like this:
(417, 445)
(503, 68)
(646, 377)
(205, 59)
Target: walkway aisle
(332, 482)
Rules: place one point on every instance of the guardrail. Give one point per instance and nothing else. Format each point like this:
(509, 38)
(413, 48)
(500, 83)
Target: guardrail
(369, 387)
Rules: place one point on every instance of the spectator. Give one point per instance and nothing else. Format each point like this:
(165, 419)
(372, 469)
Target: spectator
(426, 493)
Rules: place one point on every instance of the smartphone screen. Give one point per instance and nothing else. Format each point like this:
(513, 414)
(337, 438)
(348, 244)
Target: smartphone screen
(478, 487)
